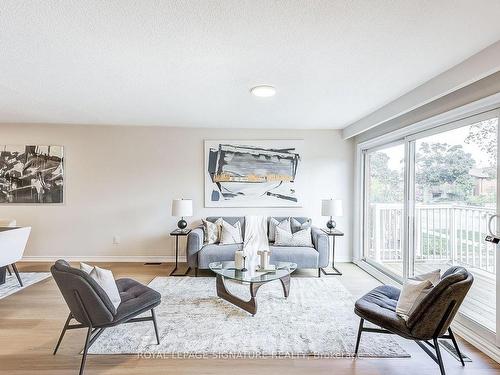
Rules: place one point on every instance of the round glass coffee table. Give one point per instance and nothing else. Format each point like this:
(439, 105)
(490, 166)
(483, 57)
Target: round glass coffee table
(227, 270)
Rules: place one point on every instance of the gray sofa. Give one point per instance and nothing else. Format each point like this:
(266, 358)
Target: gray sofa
(199, 255)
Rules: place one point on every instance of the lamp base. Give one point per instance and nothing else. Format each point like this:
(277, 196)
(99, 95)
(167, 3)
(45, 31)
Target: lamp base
(331, 224)
(182, 224)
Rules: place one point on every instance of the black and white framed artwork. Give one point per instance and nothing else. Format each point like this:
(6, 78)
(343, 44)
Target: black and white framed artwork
(252, 173)
(31, 174)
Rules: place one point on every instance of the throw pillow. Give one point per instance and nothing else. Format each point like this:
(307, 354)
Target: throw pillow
(87, 268)
(107, 282)
(273, 224)
(414, 290)
(231, 234)
(302, 238)
(212, 231)
(434, 277)
(296, 225)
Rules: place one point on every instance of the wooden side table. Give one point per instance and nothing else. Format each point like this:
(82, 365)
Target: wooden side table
(178, 233)
(333, 233)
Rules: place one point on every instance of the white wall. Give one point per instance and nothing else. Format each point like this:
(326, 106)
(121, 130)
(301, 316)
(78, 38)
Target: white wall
(121, 180)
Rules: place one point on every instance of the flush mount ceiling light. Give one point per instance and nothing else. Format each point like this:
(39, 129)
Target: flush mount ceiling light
(263, 91)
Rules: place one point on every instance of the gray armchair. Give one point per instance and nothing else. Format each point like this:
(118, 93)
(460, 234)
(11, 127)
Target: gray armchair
(431, 319)
(91, 307)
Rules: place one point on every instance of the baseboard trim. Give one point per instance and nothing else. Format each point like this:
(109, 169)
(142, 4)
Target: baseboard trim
(488, 347)
(107, 259)
(380, 276)
(123, 258)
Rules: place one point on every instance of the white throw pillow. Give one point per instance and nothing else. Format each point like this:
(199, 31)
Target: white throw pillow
(212, 231)
(231, 234)
(414, 291)
(301, 238)
(107, 282)
(87, 268)
(273, 224)
(296, 225)
(434, 277)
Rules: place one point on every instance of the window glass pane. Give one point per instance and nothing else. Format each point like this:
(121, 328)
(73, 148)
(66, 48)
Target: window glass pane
(384, 208)
(455, 195)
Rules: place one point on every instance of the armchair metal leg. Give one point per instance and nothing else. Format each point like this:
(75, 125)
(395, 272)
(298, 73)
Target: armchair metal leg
(8, 270)
(196, 272)
(85, 349)
(155, 325)
(62, 333)
(98, 332)
(452, 336)
(440, 359)
(360, 329)
(319, 272)
(17, 274)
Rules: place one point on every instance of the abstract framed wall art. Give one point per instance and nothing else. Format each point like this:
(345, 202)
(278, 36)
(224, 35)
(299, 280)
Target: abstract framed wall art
(31, 174)
(251, 173)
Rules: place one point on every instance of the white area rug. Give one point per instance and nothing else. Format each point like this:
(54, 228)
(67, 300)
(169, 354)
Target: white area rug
(317, 319)
(12, 285)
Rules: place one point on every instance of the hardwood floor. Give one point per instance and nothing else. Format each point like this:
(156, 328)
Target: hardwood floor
(31, 320)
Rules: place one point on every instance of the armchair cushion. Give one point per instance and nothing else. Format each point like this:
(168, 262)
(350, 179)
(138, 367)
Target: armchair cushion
(379, 307)
(135, 298)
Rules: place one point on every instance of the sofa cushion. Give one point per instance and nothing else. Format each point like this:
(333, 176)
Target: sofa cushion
(300, 238)
(231, 234)
(216, 253)
(273, 224)
(304, 257)
(212, 231)
(298, 225)
(231, 220)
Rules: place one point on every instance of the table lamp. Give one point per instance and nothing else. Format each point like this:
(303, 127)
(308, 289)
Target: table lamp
(182, 208)
(331, 207)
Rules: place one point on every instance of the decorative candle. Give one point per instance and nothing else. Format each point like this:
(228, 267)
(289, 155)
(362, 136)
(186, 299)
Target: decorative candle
(264, 259)
(238, 259)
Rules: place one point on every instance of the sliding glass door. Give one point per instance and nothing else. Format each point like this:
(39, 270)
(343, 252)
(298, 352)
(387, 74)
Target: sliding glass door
(455, 195)
(427, 202)
(384, 208)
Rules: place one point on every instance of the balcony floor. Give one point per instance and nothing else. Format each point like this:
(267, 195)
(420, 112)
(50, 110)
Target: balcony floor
(480, 303)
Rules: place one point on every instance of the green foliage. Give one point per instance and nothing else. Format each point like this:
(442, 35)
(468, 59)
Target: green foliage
(481, 200)
(386, 185)
(446, 168)
(484, 135)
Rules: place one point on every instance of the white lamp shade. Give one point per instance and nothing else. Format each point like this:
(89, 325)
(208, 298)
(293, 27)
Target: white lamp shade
(182, 207)
(331, 207)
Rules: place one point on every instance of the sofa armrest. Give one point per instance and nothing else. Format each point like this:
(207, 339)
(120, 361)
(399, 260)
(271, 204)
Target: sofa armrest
(322, 245)
(194, 244)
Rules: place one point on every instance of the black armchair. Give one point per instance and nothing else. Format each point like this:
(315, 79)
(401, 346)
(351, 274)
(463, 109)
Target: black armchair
(91, 307)
(430, 321)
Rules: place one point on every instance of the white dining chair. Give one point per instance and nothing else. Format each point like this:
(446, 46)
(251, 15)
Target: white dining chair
(13, 241)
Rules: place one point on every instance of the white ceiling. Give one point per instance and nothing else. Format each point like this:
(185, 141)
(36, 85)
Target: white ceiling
(191, 63)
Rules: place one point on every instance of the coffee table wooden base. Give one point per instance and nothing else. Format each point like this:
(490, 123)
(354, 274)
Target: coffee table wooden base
(250, 305)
